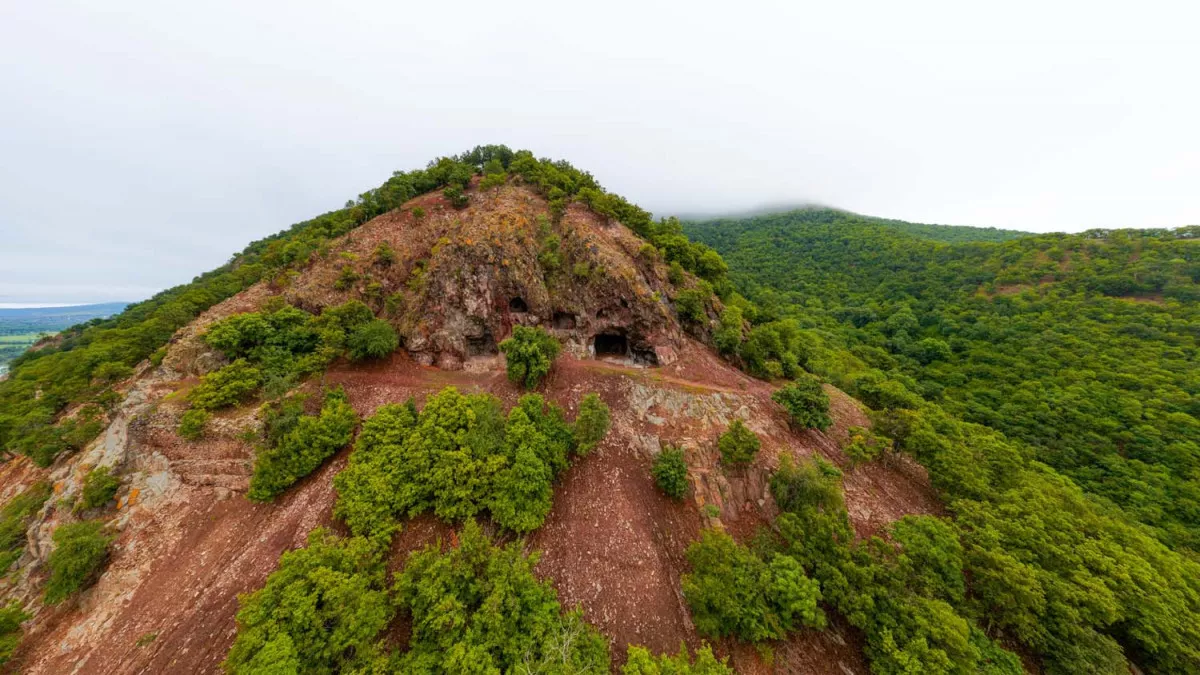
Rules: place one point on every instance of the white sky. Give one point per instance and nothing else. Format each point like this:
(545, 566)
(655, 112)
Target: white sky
(144, 142)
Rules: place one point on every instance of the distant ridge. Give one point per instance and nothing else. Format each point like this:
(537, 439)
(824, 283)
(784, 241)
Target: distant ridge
(951, 234)
(86, 311)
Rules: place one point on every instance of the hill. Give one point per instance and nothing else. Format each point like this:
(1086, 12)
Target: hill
(490, 416)
(949, 234)
(1065, 342)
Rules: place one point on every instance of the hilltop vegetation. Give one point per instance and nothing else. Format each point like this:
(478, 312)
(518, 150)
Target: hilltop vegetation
(1081, 347)
(1049, 341)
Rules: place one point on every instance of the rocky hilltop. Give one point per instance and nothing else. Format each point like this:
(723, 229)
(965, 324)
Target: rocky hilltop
(453, 274)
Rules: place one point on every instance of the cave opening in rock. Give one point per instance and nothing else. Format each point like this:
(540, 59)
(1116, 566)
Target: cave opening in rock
(482, 345)
(611, 344)
(644, 354)
(517, 304)
(564, 320)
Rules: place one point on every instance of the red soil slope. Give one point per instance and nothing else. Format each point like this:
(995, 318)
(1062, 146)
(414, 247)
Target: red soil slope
(612, 545)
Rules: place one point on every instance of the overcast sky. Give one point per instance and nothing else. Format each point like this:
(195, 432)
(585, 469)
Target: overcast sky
(145, 144)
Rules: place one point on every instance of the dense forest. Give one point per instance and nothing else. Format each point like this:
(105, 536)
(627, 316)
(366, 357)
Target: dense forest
(1082, 347)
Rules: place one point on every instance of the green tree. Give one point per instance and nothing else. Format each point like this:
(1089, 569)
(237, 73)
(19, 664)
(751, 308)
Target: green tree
(479, 608)
(80, 552)
(11, 617)
(99, 488)
(303, 449)
(591, 424)
(731, 591)
(372, 340)
(806, 403)
(670, 472)
(529, 354)
(320, 612)
(640, 661)
(226, 387)
(739, 445)
(192, 423)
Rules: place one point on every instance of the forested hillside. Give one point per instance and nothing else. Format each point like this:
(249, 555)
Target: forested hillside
(1047, 385)
(1082, 347)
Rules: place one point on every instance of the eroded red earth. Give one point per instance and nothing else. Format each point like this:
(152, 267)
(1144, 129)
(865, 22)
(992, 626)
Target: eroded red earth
(612, 545)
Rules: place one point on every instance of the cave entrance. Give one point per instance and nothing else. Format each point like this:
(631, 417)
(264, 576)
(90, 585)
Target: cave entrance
(482, 345)
(644, 354)
(564, 320)
(517, 304)
(611, 344)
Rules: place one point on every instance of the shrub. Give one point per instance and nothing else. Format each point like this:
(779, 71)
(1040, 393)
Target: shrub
(458, 456)
(591, 424)
(11, 617)
(502, 618)
(733, 592)
(457, 198)
(99, 487)
(384, 255)
(641, 662)
(690, 305)
(806, 403)
(80, 551)
(373, 340)
(14, 520)
(301, 450)
(192, 423)
(225, 387)
(112, 371)
(738, 444)
(670, 472)
(320, 612)
(865, 446)
(728, 337)
(529, 353)
(346, 278)
(814, 484)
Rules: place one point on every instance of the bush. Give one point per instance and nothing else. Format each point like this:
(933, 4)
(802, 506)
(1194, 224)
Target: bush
(112, 371)
(865, 446)
(502, 618)
(228, 386)
(459, 456)
(457, 198)
(690, 305)
(739, 446)
(670, 472)
(591, 424)
(529, 354)
(80, 552)
(14, 521)
(384, 255)
(728, 337)
(641, 662)
(192, 423)
(733, 592)
(99, 488)
(320, 612)
(806, 402)
(302, 450)
(11, 617)
(373, 340)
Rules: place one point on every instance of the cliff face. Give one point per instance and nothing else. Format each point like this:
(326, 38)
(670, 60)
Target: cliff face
(457, 280)
(455, 283)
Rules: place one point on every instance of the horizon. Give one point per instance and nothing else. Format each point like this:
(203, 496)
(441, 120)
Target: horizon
(136, 168)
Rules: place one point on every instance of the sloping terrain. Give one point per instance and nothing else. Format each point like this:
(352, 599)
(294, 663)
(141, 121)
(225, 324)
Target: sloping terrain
(456, 283)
